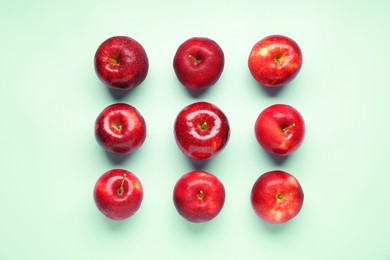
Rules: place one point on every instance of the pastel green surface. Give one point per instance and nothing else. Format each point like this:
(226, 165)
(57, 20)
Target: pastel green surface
(51, 161)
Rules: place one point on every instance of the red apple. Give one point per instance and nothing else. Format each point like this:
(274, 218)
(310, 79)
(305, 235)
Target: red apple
(199, 196)
(280, 129)
(277, 197)
(118, 194)
(275, 60)
(198, 63)
(121, 63)
(201, 130)
(120, 128)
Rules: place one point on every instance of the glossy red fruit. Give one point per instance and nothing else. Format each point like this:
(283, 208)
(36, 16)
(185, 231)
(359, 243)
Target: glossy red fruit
(121, 63)
(280, 129)
(120, 128)
(199, 196)
(201, 130)
(198, 63)
(277, 197)
(275, 60)
(118, 194)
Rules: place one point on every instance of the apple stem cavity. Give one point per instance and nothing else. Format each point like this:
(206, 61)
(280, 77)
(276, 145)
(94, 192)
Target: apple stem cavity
(118, 126)
(200, 194)
(288, 128)
(114, 61)
(122, 188)
(281, 197)
(279, 59)
(203, 126)
(194, 59)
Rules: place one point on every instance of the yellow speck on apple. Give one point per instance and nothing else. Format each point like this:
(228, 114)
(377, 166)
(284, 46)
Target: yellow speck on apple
(263, 51)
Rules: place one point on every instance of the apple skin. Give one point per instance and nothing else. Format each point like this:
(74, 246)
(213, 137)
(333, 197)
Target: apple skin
(275, 60)
(120, 128)
(121, 63)
(199, 196)
(201, 130)
(280, 129)
(118, 194)
(198, 63)
(277, 197)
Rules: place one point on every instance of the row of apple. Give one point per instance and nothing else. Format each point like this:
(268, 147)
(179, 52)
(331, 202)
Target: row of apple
(199, 196)
(122, 63)
(201, 129)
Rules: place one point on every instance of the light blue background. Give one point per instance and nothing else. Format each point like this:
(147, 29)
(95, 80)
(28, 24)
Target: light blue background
(51, 161)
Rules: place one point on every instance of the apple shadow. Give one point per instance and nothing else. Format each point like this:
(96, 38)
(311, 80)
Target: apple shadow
(272, 91)
(117, 158)
(197, 228)
(115, 225)
(278, 160)
(196, 93)
(118, 93)
(198, 164)
(274, 228)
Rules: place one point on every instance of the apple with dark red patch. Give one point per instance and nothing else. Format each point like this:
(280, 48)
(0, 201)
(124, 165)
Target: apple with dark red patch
(275, 60)
(277, 197)
(201, 130)
(198, 63)
(199, 196)
(118, 194)
(280, 129)
(120, 128)
(121, 63)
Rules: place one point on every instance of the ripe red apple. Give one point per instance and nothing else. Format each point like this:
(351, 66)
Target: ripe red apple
(277, 197)
(118, 194)
(201, 130)
(199, 196)
(280, 129)
(198, 63)
(121, 63)
(120, 128)
(275, 60)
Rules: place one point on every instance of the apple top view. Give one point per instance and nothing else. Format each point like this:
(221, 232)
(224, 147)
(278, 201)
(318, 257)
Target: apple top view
(120, 128)
(118, 194)
(199, 196)
(201, 130)
(121, 63)
(198, 63)
(280, 129)
(277, 197)
(275, 60)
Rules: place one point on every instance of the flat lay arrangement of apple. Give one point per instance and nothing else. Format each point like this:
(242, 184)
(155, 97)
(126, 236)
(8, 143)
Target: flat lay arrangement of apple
(201, 129)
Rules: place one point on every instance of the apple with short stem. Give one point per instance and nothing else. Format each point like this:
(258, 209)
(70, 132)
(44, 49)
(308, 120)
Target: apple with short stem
(120, 128)
(201, 130)
(275, 60)
(199, 196)
(121, 63)
(198, 63)
(118, 194)
(277, 197)
(280, 129)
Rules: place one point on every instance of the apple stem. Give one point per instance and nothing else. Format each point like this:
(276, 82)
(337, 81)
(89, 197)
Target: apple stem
(118, 126)
(121, 188)
(194, 59)
(203, 126)
(282, 196)
(200, 194)
(288, 128)
(279, 59)
(113, 61)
